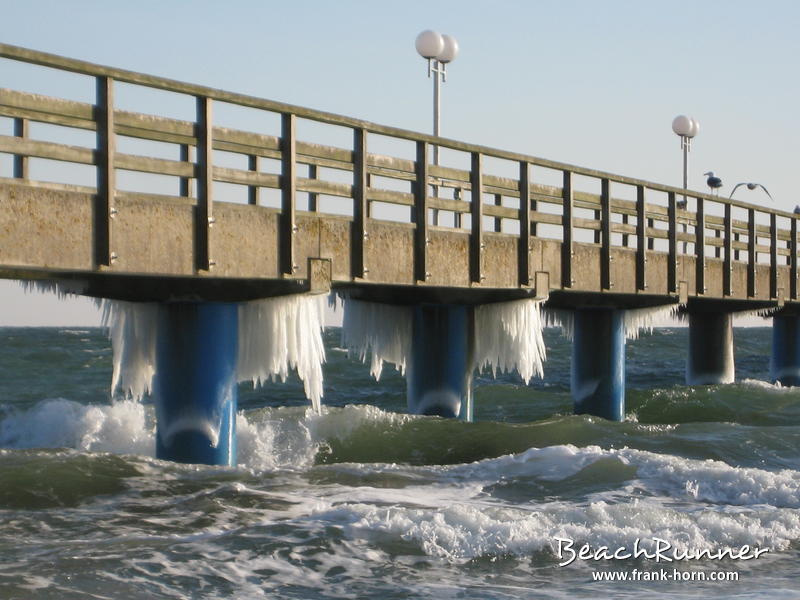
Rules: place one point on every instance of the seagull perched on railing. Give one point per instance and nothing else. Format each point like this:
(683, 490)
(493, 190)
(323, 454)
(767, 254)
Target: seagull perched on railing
(752, 186)
(713, 181)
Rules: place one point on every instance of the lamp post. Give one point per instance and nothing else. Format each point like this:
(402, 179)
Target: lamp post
(686, 128)
(438, 50)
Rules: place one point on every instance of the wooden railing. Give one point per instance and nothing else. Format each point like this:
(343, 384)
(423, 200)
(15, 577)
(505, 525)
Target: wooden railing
(617, 212)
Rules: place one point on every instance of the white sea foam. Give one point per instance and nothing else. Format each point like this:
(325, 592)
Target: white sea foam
(381, 330)
(508, 336)
(124, 427)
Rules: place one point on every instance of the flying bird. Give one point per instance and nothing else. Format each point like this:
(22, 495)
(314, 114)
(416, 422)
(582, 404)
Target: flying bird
(713, 181)
(752, 186)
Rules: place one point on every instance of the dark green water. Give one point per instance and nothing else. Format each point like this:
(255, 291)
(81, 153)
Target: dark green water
(363, 501)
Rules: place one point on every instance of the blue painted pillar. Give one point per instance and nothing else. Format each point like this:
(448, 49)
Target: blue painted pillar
(710, 360)
(195, 387)
(784, 366)
(598, 363)
(439, 370)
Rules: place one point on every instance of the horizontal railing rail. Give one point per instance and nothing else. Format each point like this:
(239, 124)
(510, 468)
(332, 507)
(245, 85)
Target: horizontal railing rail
(655, 217)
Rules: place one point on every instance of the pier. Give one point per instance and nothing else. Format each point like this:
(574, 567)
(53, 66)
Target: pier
(301, 214)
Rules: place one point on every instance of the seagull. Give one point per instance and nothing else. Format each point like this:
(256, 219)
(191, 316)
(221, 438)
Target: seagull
(713, 181)
(752, 186)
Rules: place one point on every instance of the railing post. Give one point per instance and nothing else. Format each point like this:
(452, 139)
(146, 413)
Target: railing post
(773, 255)
(20, 160)
(185, 184)
(421, 214)
(106, 176)
(672, 243)
(605, 234)
(793, 261)
(205, 179)
(359, 233)
(288, 226)
(567, 230)
(476, 238)
(498, 221)
(253, 191)
(524, 224)
(313, 197)
(727, 254)
(751, 253)
(641, 240)
(700, 248)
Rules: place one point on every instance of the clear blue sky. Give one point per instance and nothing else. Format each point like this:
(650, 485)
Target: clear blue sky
(593, 83)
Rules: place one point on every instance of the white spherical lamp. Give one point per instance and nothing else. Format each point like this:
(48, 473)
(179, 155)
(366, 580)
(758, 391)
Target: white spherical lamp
(682, 125)
(695, 128)
(449, 49)
(429, 44)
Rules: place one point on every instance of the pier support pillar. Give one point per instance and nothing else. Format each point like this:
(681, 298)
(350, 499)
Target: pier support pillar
(784, 366)
(710, 359)
(439, 370)
(598, 363)
(195, 386)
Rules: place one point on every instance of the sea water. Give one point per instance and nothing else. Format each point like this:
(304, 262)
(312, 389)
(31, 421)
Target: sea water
(360, 500)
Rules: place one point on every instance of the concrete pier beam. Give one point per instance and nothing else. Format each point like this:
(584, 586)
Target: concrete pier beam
(598, 363)
(195, 386)
(439, 370)
(784, 366)
(710, 359)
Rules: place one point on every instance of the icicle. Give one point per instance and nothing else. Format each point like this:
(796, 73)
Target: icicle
(561, 318)
(132, 331)
(63, 288)
(276, 334)
(383, 330)
(636, 319)
(508, 336)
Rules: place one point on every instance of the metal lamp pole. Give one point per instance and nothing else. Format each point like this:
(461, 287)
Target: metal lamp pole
(686, 128)
(438, 50)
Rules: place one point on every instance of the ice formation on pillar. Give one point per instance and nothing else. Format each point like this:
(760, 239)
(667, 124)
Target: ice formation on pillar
(382, 330)
(275, 335)
(636, 319)
(644, 319)
(508, 336)
(282, 333)
(132, 331)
